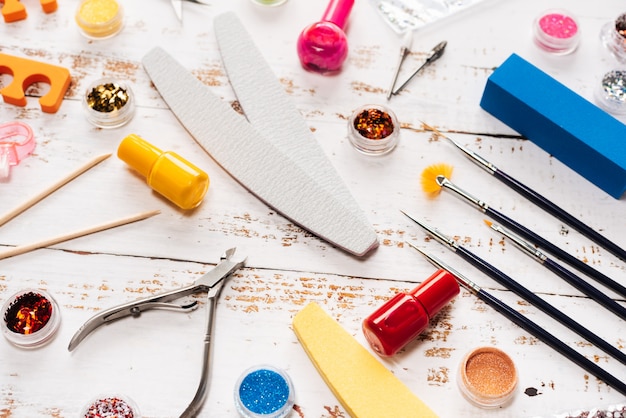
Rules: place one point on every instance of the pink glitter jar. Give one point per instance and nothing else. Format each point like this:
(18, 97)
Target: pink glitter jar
(557, 32)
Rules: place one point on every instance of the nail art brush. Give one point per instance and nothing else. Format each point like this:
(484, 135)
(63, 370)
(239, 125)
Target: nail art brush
(433, 56)
(404, 51)
(531, 327)
(537, 199)
(561, 271)
(443, 182)
(522, 291)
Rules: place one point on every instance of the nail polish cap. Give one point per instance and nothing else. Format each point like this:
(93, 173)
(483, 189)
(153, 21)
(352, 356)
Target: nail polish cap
(403, 317)
(166, 172)
(436, 291)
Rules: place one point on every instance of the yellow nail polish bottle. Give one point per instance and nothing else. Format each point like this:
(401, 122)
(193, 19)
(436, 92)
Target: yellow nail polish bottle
(166, 172)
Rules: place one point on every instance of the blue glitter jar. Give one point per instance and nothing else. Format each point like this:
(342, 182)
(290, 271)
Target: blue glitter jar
(264, 392)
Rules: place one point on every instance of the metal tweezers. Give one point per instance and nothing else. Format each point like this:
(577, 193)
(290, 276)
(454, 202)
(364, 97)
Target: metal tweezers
(212, 283)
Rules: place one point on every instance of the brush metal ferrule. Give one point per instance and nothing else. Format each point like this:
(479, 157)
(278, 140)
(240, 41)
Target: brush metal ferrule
(477, 159)
(435, 233)
(525, 246)
(444, 182)
(462, 280)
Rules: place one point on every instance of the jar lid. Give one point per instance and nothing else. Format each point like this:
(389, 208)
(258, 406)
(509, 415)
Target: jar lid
(31, 318)
(264, 392)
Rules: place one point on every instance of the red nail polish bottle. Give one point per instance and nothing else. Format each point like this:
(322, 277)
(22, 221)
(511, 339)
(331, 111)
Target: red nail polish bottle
(406, 315)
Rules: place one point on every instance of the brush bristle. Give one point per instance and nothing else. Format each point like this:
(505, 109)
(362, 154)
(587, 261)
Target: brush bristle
(429, 177)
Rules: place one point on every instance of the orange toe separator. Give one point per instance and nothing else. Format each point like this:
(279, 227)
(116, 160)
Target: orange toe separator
(49, 6)
(26, 72)
(13, 11)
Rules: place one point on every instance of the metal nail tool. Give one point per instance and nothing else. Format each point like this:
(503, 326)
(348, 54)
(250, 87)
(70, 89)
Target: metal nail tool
(212, 283)
(177, 5)
(433, 56)
(407, 40)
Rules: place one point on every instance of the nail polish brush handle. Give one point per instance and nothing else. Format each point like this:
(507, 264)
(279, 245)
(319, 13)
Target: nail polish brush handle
(586, 288)
(531, 327)
(537, 198)
(553, 342)
(556, 251)
(540, 303)
(560, 214)
(567, 275)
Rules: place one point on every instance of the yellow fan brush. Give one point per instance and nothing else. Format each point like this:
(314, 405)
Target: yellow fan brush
(429, 177)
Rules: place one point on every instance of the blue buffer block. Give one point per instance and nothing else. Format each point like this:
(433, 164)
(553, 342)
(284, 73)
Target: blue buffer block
(576, 132)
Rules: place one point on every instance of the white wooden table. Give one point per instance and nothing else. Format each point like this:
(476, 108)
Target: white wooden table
(156, 359)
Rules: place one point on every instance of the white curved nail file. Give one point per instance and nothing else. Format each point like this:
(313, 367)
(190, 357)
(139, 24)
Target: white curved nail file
(253, 160)
(269, 108)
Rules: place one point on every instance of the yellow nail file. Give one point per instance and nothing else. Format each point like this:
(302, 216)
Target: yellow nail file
(363, 385)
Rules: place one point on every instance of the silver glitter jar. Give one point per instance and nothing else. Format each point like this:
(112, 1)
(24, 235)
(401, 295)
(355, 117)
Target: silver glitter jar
(611, 92)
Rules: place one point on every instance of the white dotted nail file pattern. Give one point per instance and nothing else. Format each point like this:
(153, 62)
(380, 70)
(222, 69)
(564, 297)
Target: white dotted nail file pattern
(260, 165)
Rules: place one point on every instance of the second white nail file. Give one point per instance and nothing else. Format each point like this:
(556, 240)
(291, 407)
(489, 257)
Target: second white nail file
(270, 109)
(256, 162)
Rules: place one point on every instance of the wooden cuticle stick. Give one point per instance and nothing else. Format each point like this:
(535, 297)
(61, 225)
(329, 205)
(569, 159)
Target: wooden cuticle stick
(52, 188)
(21, 249)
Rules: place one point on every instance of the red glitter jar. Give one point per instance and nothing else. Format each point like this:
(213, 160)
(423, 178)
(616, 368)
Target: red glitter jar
(373, 129)
(31, 318)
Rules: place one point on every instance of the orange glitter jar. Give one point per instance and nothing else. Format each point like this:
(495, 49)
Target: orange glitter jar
(31, 318)
(487, 377)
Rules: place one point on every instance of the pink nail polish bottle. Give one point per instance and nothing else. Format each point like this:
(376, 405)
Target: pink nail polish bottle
(322, 46)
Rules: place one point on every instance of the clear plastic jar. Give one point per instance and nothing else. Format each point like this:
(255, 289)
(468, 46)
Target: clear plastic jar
(269, 2)
(113, 406)
(99, 19)
(31, 318)
(487, 377)
(611, 92)
(613, 35)
(556, 31)
(373, 129)
(109, 103)
(264, 392)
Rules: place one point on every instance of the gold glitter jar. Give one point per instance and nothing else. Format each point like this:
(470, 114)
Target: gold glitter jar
(487, 377)
(99, 19)
(109, 103)
(373, 129)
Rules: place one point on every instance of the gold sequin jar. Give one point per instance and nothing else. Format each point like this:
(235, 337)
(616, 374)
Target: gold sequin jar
(99, 19)
(373, 129)
(487, 377)
(109, 103)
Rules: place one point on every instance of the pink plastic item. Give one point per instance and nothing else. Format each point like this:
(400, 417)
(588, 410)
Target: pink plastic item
(322, 46)
(16, 142)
